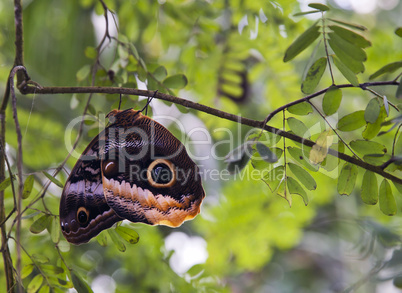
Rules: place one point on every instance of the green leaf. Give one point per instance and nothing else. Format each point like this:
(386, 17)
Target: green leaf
(298, 155)
(44, 289)
(372, 129)
(398, 32)
(298, 127)
(35, 284)
(83, 72)
(177, 81)
(265, 153)
(133, 51)
(274, 177)
(398, 93)
(141, 71)
(398, 187)
(90, 52)
(152, 84)
(52, 179)
(130, 235)
(319, 6)
(349, 24)
(26, 271)
(51, 269)
(28, 185)
(346, 72)
(238, 158)
(365, 147)
(319, 150)
(40, 258)
(314, 75)
(301, 109)
(102, 239)
(304, 177)
(397, 282)
(354, 65)
(387, 200)
(389, 68)
(60, 282)
(79, 284)
(40, 224)
(282, 191)
(351, 121)
(332, 100)
(160, 73)
(117, 242)
(238, 153)
(372, 111)
(54, 229)
(196, 270)
(295, 188)
(376, 159)
(352, 50)
(369, 192)
(386, 105)
(347, 179)
(302, 42)
(236, 167)
(332, 162)
(123, 53)
(268, 138)
(5, 183)
(306, 12)
(350, 36)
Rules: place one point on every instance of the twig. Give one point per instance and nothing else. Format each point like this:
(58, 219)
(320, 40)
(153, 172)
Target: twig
(19, 39)
(334, 130)
(8, 264)
(19, 168)
(363, 86)
(221, 114)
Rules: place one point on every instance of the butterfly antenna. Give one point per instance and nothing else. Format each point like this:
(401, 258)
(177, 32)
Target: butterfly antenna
(148, 102)
(120, 102)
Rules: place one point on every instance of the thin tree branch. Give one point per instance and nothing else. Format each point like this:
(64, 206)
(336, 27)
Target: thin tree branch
(222, 114)
(19, 168)
(8, 264)
(363, 86)
(18, 60)
(19, 39)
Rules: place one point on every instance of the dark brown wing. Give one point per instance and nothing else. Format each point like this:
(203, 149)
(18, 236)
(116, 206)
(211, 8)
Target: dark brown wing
(137, 148)
(84, 212)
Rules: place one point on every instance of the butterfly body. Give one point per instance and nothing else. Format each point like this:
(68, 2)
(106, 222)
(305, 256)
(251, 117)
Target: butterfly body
(136, 170)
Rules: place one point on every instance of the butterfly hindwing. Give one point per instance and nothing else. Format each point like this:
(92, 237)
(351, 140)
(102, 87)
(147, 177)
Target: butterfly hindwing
(84, 212)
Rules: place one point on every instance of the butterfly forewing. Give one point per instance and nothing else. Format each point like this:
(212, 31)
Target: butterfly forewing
(136, 170)
(153, 180)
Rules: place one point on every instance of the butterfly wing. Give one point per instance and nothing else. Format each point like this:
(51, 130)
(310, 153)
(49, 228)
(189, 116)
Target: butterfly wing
(147, 174)
(84, 212)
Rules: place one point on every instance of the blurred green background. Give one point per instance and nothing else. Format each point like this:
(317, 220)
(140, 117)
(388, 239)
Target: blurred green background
(246, 238)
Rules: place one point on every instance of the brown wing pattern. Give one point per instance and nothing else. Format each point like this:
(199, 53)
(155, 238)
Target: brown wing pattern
(136, 170)
(84, 212)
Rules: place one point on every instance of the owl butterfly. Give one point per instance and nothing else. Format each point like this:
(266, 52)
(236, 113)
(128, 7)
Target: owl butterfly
(135, 169)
